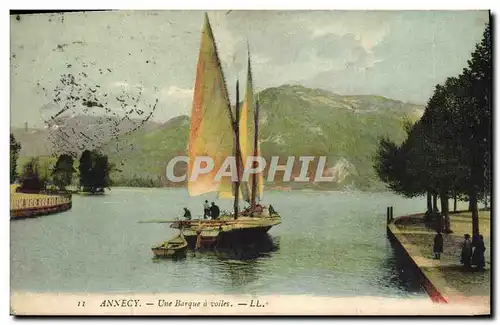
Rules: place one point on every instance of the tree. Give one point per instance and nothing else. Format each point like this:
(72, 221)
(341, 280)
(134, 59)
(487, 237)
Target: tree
(100, 172)
(417, 147)
(480, 78)
(397, 167)
(443, 148)
(94, 171)
(85, 166)
(15, 147)
(63, 171)
(473, 114)
(386, 165)
(30, 178)
(448, 151)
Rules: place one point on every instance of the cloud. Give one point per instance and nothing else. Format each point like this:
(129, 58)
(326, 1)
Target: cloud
(120, 84)
(259, 59)
(397, 54)
(229, 45)
(177, 93)
(417, 51)
(342, 51)
(369, 28)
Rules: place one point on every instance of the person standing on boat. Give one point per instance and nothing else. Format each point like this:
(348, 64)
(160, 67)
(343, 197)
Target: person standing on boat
(206, 210)
(187, 214)
(214, 211)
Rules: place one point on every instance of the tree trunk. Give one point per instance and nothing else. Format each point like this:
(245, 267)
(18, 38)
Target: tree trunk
(455, 203)
(470, 205)
(475, 213)
(434, 203)
(428, 213)
(445, 212)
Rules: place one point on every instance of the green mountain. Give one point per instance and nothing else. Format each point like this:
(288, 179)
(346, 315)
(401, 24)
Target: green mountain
(295, 121)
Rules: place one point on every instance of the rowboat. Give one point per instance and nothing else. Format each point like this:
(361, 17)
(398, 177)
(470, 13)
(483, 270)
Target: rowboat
(174, 248)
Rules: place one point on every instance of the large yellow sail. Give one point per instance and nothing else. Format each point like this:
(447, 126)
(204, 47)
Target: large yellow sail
(226, 189)
(246, 139)
(211, 131)
(247, 130)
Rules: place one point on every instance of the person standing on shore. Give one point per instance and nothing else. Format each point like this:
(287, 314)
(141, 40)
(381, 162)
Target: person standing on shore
(478, 253)
(438, 245)
(465, 257)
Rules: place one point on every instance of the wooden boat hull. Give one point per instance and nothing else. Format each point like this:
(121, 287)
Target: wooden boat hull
(243, 235)
(240, 236)
(226, 230)
(169, 253)
(174, 248)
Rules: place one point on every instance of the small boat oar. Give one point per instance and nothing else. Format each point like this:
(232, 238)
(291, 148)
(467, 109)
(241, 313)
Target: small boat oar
(157, 221)
(205, 222)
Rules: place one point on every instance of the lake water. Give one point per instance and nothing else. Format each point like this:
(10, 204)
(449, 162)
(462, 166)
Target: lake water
(329, 244)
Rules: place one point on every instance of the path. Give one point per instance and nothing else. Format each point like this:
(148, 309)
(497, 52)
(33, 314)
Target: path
(454, 283)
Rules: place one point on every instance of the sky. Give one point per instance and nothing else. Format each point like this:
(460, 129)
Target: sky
(396, 54)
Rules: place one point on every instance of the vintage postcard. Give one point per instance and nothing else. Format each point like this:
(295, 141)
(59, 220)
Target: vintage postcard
(250, 162)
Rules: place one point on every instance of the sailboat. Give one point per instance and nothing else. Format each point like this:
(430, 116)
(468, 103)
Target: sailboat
(218, 132)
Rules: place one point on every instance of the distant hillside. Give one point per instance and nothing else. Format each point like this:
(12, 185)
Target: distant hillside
(64, 132)
(294, 121)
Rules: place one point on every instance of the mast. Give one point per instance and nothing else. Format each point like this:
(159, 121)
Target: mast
(255, 153)
(237, 153)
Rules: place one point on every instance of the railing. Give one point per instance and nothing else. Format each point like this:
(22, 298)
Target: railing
(32, 205)
(18, 203)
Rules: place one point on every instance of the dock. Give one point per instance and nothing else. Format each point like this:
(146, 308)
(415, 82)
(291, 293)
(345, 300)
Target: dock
(445, 280)
(24, 205)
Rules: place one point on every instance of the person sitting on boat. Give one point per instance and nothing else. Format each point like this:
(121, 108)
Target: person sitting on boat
(256, 212)
(246, 212)
(214, 211)
(265, 212)
(187, 214)
(271, 210)
(206, 210)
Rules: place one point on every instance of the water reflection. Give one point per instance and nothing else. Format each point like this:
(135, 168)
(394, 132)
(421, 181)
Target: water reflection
(245, 252)
(401, 273)
(240, 264)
